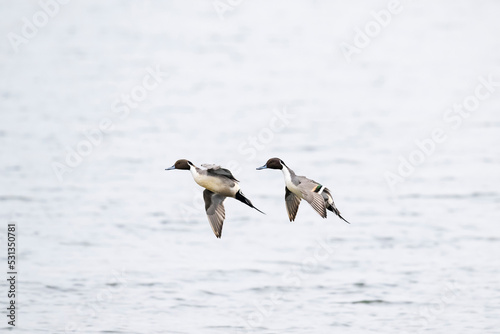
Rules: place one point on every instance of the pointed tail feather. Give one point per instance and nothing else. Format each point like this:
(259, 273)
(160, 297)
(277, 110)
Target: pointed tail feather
(343, 219)
(337, 212)
(240, 197)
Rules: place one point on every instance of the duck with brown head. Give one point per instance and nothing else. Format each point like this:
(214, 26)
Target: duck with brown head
(273, 163)
(300, 187)
(219, 183)
(181, 164)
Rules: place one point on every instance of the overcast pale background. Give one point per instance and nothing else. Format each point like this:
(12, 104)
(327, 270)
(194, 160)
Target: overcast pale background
(118, 245)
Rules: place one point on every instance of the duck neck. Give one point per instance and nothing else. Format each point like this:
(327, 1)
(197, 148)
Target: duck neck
(288, 174)
(194, 171)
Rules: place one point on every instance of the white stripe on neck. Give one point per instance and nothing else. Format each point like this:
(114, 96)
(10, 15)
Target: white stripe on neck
(288, 182)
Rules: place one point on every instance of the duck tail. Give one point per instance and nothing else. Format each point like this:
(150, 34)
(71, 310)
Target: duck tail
(240, 197)
(343, 219)
(337, 212)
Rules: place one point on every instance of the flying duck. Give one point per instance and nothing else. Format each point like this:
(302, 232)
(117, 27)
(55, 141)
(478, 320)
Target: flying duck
(219, 183)
(300, 187)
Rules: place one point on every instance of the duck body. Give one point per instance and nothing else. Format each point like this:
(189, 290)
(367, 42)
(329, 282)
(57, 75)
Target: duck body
(218, 184)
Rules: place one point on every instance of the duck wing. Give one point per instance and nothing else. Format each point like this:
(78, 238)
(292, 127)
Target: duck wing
(217, 170)
(214, 206)
(310, 192)
(292, 204)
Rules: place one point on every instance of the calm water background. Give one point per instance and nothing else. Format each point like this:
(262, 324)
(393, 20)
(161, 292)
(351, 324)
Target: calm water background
(121, 246)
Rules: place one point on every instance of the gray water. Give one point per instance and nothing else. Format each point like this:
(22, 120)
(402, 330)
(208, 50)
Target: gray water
(109, 242)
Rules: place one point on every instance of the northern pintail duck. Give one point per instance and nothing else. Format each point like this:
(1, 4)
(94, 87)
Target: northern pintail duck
(219, 183)
(300, 187)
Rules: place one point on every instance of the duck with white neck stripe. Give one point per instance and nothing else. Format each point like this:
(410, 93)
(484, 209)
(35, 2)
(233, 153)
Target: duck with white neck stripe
(219, 183)
(300, 187)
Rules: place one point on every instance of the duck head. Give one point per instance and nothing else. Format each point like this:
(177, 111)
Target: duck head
(181, 164)
(273, 163)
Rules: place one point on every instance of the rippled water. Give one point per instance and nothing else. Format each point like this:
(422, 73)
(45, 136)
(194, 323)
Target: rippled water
(115, 244)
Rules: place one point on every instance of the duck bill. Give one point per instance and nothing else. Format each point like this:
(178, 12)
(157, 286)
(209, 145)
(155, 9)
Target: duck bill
(170, 168)
(261, 167)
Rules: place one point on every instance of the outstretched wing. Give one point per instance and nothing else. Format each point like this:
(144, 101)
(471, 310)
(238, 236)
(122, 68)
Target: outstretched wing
(217, 170)
(292, 204)
(310, 192)
(214, 206)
